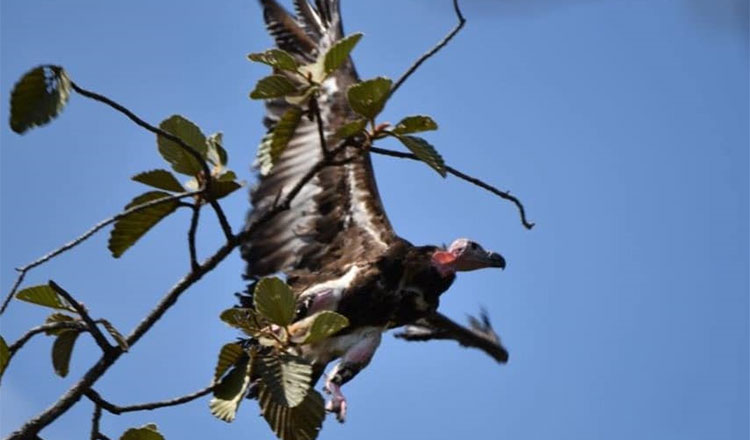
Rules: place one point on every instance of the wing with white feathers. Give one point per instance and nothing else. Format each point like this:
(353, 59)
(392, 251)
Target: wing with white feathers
(337, 219)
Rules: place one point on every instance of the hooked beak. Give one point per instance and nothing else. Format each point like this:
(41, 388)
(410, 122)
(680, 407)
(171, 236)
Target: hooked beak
(495, 260)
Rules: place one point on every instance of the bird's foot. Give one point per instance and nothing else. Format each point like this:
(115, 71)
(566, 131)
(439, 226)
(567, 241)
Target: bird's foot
(337, 403)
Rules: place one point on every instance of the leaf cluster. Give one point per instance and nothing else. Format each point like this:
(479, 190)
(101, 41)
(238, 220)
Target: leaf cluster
(301, 84)
(42, 93)
(132, 227)
(65, 336)
(270, 362)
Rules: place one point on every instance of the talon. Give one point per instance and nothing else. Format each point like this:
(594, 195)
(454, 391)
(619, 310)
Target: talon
(337, 404)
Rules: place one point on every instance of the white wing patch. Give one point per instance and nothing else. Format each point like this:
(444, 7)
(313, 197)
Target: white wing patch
(359, 214)
(337, 285)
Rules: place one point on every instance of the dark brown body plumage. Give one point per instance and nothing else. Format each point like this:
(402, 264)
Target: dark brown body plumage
(399, 288)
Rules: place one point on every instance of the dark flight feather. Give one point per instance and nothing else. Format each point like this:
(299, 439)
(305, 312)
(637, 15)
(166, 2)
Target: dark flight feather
(338, 218)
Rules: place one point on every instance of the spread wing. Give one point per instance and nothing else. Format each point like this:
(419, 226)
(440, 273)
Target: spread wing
(337, 219)
(479, 334)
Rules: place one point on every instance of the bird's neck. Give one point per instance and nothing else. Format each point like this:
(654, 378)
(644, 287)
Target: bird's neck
(444, 262)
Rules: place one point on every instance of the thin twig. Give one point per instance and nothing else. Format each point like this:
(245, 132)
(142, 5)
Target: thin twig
(16, 285)
(16, 346)
(73, 325)
(461, 175)
(191, 236)
(99, 337)
(115, 409)
(433, 51)
(95, 422)
(80, 239)
(184, 145)
(319, 120)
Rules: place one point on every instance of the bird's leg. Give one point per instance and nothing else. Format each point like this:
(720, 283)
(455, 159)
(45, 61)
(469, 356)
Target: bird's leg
(352, 362)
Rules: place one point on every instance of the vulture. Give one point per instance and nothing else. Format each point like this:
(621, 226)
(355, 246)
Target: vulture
(335, 245)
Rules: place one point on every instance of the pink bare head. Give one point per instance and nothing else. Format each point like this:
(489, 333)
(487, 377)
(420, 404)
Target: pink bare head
(470, 255)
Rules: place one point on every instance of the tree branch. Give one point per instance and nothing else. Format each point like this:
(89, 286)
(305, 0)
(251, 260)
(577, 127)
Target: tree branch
(33, 426)
(23, 270)
(159, 132)
(99, 337)
(442, 43)
(115, 409)
(461, 175)
(191, 236)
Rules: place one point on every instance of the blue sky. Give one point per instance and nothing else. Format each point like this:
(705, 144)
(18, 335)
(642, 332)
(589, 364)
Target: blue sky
(623, 126)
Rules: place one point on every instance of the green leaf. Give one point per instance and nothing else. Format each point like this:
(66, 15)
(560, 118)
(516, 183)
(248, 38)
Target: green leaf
(46, 296)
(229, 355)
(242, 319)
(302, 97)
(38, 97)
(275, 58)
(161, 179)
(368, 97)
(339, 52)
(275, 301)
(315, 71)
(182, 161)
(325, 324)
(132, 227)
(351, 128)
(216, 152)
(229, 392)
(58, 317)
(147, 432)
(274, 86)
(227, 177)
(415, 124)
(4, 356)
(222, 188)
(274, 143)
(301, 422)
(62, 350)
(286, 377)
(116, 335)
(424, 152)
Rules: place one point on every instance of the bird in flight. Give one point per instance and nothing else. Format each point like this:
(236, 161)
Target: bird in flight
(335, 244)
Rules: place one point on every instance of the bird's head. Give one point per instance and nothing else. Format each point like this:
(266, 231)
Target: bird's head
(464, 255)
